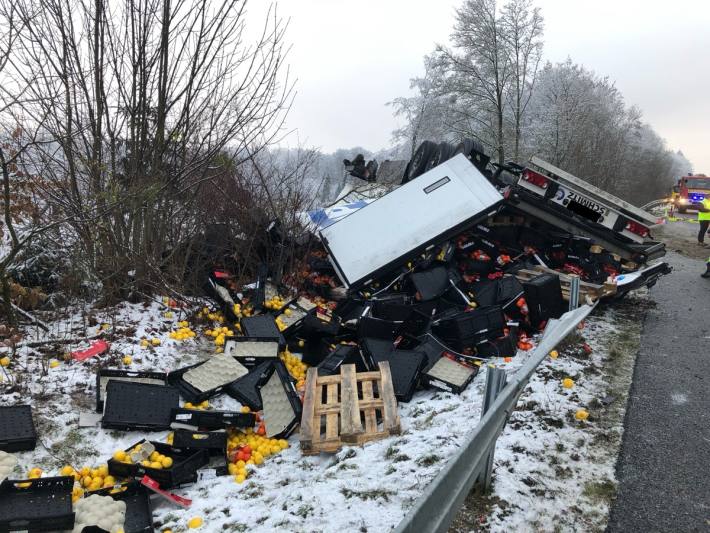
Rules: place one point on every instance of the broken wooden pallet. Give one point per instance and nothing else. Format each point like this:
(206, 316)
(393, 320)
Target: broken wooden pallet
(588, 291)
(350, 408)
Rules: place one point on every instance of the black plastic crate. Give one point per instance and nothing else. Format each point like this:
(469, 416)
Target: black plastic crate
(105, 374)
(187, 390)
(215, 442)
(139, 510)
(543, 295)
(17, 429)
(237, 348)
(430, 284)
(344, 354)
(263, 326)
(313, 327)
(376, 328)
(281, 403)
(138, 406)
(372, 349)
(405, 367)
(186, 463)
(210, 420)
(464, 330)
(246, 388)
(505, 346)
(41, 504)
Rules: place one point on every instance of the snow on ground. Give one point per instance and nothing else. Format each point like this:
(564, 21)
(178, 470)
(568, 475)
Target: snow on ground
(365, 488)
(553, 472)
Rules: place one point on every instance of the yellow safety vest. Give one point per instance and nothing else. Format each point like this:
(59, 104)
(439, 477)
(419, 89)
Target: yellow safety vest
(706, 205)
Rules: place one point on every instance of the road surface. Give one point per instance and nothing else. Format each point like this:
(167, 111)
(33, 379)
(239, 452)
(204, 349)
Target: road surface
(664, 466)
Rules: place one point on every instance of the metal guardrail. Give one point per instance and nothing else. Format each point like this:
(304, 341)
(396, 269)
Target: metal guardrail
(437, 506)
(655, 203)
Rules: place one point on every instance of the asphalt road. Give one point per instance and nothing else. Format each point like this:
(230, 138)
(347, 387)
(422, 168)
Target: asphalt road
(664, 466)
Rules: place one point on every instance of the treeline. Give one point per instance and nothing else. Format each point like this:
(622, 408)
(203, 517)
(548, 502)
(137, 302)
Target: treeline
(491, 84)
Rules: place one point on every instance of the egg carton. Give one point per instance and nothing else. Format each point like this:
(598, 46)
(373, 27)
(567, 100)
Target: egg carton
(281, 403)
(246, 389)
(213, 374)
(105, 374)
(139, 510)
(7, 464)
(186, 463)
(40, 504)
(251, 351)
(138, 406)
(100, 511)
(17, 429)
(210, 420)
(263, 326)
(449, 375)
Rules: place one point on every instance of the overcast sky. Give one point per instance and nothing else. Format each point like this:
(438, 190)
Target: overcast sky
(353, 56)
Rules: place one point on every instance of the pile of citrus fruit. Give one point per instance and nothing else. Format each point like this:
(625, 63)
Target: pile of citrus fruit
(295, 366)
(245, 448)
(182, 333)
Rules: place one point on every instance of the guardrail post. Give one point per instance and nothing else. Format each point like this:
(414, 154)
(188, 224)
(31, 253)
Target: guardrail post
(495, 382)
(573, 292)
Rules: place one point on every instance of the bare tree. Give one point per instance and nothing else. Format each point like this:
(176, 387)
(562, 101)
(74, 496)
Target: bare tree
(481, 71)
(522, 27)
(138, 105)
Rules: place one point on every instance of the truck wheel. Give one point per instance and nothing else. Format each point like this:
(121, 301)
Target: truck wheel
(444, 152)
(418, 164)
(474, 151)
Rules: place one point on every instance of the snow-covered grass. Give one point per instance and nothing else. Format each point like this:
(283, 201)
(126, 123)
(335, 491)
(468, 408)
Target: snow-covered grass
(553, 472)
(366, 488)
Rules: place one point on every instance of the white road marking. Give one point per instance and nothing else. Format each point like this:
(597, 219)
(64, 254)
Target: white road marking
(678, 398)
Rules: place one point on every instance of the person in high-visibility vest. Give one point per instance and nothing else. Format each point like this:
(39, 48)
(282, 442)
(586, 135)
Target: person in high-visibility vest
(703, 218)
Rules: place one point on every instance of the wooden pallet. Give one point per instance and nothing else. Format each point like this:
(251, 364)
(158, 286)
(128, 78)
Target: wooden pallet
(588, 292)
(350, 408)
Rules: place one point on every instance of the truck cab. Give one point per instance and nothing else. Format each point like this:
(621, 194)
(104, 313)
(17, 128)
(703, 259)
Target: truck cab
(690, 189)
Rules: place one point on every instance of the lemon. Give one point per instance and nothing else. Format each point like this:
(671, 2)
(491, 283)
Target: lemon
(53, 364)
(205, 404)
(109, 481)
(86, 481)
(119, 455)
(283, 443)
(103, 470)
(240, 478)
(155, 341)
(554, 354)
(581, 414)
(154, 456)
(194, 522)
(144, 343)
(568, 383)
(167, 462)
(232, 469)
(146, 463)
(66, 471)
(5, 361)
(157, 465)
(189, 405)
(127, 360)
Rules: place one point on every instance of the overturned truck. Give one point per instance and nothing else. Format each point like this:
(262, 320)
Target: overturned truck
(458, 261)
